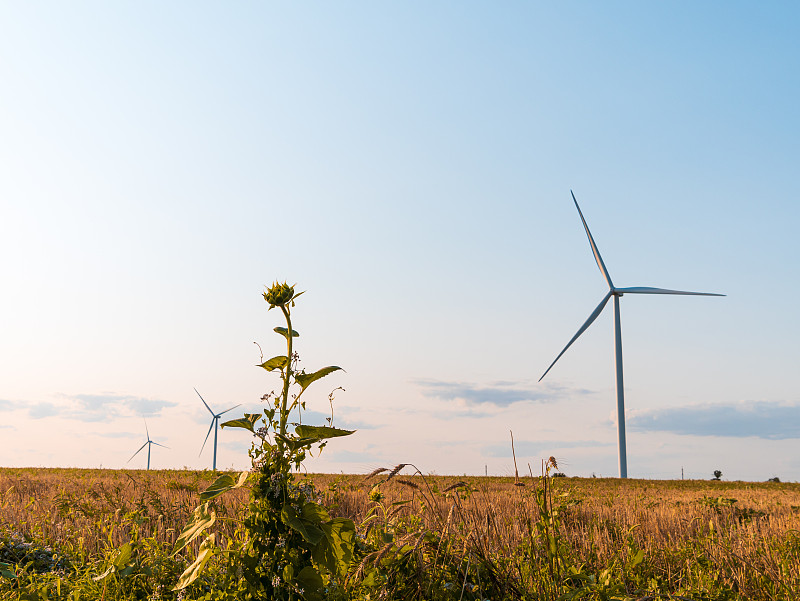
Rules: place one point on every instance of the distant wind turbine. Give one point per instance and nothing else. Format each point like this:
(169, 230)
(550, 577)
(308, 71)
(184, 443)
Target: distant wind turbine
(616, 293)
(214, 426)
(148, 444)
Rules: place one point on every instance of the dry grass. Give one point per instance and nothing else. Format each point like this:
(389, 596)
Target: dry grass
(689, 530)
(658, 511)
(679, 524)
(85, 509)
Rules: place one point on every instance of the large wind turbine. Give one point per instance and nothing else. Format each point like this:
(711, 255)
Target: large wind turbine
(148, 444)
(616, 293)
(214, 426)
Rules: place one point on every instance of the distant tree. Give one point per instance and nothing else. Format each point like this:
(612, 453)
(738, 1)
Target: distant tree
(774, 479)
(559, 475)
(717, 474)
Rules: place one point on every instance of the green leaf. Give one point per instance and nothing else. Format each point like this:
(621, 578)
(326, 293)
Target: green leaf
(7, 570)
(243, 477)
(311, 583)
(245, 422)
(275, 363)
(203, 519)
(295, 443)
(335, 552)
(316, 514)
(310, 533)
(321, 432)
(223, 484)
(285, 333)
(220, 485)
(305, 380)
(123, 556)
(371, 579)
(120, 563)
(193, 571)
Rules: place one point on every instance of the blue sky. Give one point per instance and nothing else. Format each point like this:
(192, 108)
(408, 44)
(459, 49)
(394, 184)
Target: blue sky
(410, 167)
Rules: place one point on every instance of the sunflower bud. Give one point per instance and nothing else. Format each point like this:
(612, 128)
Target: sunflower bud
(375, 495)
(278, 295)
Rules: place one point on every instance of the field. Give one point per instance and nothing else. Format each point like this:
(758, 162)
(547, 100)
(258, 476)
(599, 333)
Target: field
(445, 537)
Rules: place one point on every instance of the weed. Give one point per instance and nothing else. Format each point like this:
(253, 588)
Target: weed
(288, 545)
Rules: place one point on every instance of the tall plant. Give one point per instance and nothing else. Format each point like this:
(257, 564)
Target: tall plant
(291, 548)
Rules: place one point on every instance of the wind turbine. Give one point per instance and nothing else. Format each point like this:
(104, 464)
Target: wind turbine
(214, 426)
(148, 444)
(616, 293)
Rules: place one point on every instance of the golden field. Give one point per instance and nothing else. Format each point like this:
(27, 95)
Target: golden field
(745, 535)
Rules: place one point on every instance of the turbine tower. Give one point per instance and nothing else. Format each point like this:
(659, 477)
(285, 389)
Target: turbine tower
(214, 426)
(616, 293)
(148, 444)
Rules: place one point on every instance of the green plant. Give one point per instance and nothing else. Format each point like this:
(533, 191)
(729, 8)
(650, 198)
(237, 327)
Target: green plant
(289, 547)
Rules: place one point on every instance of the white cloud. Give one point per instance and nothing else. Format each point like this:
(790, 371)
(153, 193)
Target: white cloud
(762, 419)
(499, 394)
(99, 407)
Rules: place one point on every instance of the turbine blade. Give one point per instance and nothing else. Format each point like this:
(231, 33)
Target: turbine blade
(137, 452)
(204, 402)
(231, 409)
(596, 252)
(213, 421)
(160, 445)
(647, 290)
(586, 324)
(146, 429)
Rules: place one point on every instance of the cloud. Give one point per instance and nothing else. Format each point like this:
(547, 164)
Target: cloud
(97, 407)
(104, 407)
(40, 410)
(499, 394)
(238, 446)
(146, 407)
(762, 419)
(527, 448)
(7, 405)
(95, 402)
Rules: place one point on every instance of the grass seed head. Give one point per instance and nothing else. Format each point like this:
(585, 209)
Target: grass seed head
(395, 471)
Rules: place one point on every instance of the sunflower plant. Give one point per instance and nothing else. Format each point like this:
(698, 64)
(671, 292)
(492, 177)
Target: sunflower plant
(290, 546)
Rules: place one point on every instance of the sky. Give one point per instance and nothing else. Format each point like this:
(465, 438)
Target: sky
(409, 166)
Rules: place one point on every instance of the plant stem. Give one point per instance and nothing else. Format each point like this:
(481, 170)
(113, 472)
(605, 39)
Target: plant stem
(286, 377)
